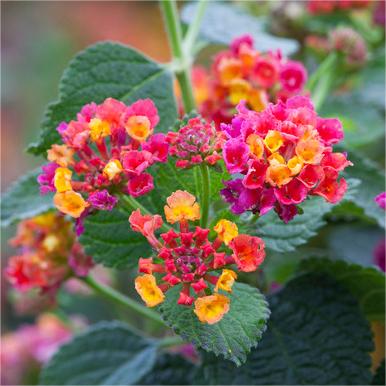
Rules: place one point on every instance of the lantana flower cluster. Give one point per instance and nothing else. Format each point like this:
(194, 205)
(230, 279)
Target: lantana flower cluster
(195, 143)
(49, 254)
(107, 149)
(280, 156)
(202, 268)
(243, 73)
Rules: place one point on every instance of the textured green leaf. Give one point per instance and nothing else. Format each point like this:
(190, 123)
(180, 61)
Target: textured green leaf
(372, 183)
(110, 241)
(379, 376)
(362, 125)
(219, 16)
(170, 369)
(237, 332)
(23, 200)
(316, 336)
(353, 242)
(367, 284)
(107, 70)
(108, 353)
(281, 237)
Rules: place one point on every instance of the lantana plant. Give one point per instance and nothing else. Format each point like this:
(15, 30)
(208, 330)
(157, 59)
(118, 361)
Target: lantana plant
(191, 191)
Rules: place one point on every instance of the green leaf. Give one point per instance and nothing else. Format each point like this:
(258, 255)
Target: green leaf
(107, 70)
(372, 183)
(23, 200)
(366, 284)
(108, 353)
(170, 369)
(281, 237)
(379, 376)
(316, 336)
(237, 332)
(219, 16)
(362, 126)
(110, 241)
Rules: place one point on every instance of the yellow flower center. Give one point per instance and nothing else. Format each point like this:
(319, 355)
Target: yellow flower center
(138, 127)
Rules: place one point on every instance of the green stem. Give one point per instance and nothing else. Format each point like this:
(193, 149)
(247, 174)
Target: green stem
(134, 204)
(205, 194)
(321, 81)
(170, 341)
(194, 27)
(123, 300)
(181, 58)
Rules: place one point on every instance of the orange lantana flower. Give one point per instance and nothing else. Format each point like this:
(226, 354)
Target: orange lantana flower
(147, 288)
(211, 309)
(182, 206)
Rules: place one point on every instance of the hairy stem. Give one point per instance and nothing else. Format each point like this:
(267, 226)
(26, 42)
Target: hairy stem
(321, 81)
(181, 57)
(134, 204)
(194, 27)
(205, 195)
(123, 300)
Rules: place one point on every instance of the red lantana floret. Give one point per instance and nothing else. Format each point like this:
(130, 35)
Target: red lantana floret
(108, 148)
(195, 143)
(285, 154)
(188, 258)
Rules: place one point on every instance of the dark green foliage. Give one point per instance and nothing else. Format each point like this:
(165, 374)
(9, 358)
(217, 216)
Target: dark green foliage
(107, 70)
(22, 200)
(316, 335)
(233, 337)
(108, 353)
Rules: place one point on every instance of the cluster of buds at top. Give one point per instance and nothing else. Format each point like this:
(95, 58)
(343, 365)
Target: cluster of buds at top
(350, 44)
(243, 73)
(49, 254)
(108, 147)
(329, 6)
(195, 143)
(285, 154)
(202, 268)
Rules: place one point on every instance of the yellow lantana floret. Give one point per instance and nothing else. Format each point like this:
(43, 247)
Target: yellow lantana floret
(273, 140)
(238, 90)
(148, 290)
(226, 280)
(61, 154)
(211, 309)
(70, 202)
(112, 169)
(278, 175)
(62, 179)
(138, 127)
(98, 129)
(295, 165)
(182, 206)
(256, 145)
(309, 151)
(226, 231)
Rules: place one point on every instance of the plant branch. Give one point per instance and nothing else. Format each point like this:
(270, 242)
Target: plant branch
(194, 27)
(134, 204)
(180, 56)
(205, 194)
(321, 81)
(170, 341)
(123, 300)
